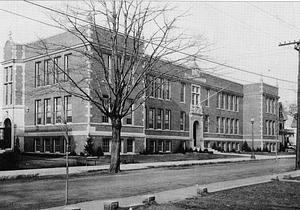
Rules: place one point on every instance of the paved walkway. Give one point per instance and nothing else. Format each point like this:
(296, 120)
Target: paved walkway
(161, 197)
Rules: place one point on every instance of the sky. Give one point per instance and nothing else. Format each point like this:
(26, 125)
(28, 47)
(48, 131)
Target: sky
(245, 37)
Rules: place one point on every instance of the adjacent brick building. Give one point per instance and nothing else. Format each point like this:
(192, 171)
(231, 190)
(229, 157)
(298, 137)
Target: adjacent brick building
(186, 109)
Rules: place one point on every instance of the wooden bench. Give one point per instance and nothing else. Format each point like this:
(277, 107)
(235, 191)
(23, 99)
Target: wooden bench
(91, 158)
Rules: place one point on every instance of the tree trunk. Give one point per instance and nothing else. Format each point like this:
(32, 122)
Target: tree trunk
(115, 145)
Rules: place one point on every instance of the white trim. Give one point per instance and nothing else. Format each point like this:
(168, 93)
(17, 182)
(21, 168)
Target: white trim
(82, 133)
(55, 52)
(223, 139)
(167, 137)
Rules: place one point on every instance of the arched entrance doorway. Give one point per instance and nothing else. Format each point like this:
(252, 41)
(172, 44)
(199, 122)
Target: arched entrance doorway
(6, 143)
(196, 132)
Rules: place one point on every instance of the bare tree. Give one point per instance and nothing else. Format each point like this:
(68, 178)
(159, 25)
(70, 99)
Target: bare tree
(118, 59)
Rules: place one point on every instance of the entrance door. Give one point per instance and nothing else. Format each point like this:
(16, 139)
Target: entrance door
(196, 132)
(6, 142)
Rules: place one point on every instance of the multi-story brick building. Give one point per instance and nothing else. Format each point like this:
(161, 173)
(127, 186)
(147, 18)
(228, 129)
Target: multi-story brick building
(261, 104)
(189, 109)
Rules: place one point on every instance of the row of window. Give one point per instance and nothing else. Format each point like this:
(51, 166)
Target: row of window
(160, 119)
(228, 102)
(270, 127)
(8, 85)
(53, 111)
(47, 145)
(159, 88)
(227, 125)
(160, 146)
(270, 105)
(50, 72)
(130, 145)
(127, 120)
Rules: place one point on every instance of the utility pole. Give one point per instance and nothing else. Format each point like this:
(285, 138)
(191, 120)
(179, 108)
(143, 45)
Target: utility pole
(296, 47)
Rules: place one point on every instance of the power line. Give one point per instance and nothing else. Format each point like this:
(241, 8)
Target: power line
(286, 24)
(198, 57)
(277, 39)
(48, 24)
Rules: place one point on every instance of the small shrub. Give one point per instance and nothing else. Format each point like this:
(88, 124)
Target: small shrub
(258, 149)
(99, 152)
(73, 153)
(214, 146)
(180, 149)
(245, 147)
(89, 147)
(265, 149)
(9, 160)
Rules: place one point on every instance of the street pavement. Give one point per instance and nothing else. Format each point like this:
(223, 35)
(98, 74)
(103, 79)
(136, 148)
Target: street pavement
(161, 197)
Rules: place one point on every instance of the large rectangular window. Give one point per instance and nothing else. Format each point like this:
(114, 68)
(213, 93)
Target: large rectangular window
(182, 92)
(57, 71)
(105, 145)
(152, 86)
(8, 86)
(218, 125)
(37, 145)
(159, 88)
(47, 111)
(195, 95)
(206, 124)
(130, 143)
(227, 125)
(57, 110)
(68, 109)
(56, 145)
(167, 119)
(66, 67)
(160, 146)
(224, 101)
(207, 95)
(38, 74)
(168, 146)
(232, 126)
(47, 72)
(218, 100)
(233, 99)
(167, 90)
(6, 72)
(182, 121)
(38, 112)
(237, 127)
(159, 119)
(223, 128)
(237, 103)
(106, 104)
(152, 146)
(47, 145)
(129, 116)
(151, 118)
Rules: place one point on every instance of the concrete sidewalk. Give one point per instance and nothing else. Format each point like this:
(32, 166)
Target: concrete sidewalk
(125, 167)
(179, 194)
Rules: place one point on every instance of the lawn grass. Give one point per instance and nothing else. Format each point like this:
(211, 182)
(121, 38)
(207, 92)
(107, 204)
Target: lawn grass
(34, 161)
(275, 195)
(30, 161)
